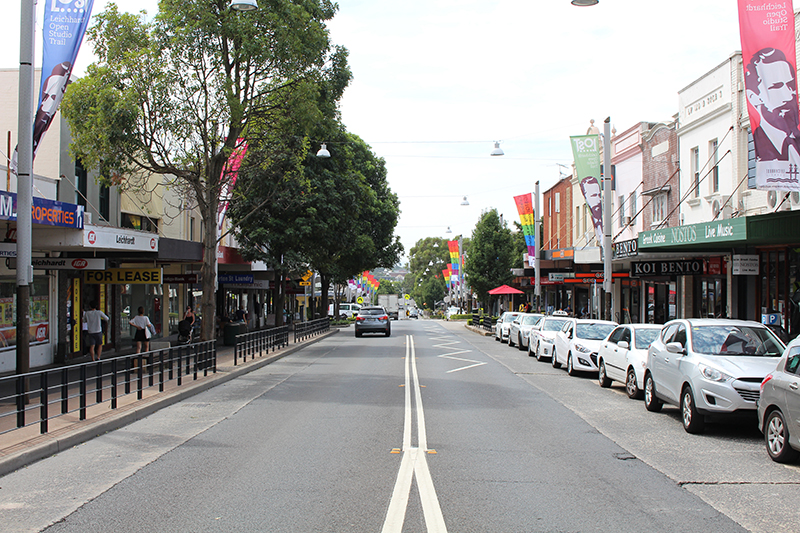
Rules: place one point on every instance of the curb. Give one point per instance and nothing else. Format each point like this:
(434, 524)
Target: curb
(479, 331)
(66, 438)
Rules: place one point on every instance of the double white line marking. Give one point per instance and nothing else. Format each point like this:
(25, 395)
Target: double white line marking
(414, 463)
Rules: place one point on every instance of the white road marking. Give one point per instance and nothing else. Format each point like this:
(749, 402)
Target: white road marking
(414, 464)
(457, 352)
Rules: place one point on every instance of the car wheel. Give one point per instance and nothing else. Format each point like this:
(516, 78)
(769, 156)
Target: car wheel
(510, 342)
(601, 376)
(530, 352)
(496, 337)
(776, 435)
(630, 385)
(651, 402)
(519, 343)
(388, 332)
(539, 356)
(554, 359)
(358, 333)
(570, 369)
(693, 422)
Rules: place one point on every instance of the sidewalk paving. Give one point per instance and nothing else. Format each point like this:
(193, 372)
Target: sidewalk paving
(26, 445)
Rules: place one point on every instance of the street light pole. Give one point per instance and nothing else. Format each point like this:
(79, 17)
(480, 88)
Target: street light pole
(25, 184)
(607, 281)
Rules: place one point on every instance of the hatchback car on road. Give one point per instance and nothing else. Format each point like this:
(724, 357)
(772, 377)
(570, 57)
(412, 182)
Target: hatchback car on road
(373, 320)
(779, 407)
(709, 366)
(578, 342)
(623, 356)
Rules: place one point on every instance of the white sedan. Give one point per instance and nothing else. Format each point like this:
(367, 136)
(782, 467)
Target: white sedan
(578, 342)
(503, 326)
(623, 356)
(543, 336)
(520, 329)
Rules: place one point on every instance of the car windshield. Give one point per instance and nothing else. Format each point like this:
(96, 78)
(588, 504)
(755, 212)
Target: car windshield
(371, 311)
(735, 340)
(593, 332)
(510, 317)
(531, 320)
(553, 325)
(645, 337)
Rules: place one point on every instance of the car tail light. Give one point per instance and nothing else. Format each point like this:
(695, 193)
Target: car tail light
(384, 317)
(359, 318)
(766, 378)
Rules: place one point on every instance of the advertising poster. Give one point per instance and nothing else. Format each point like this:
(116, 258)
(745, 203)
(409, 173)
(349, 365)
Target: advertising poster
(770, 79)
(586, 151)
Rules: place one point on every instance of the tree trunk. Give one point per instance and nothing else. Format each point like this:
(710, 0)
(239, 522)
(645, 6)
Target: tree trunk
(323, 299)
(208, 302)
(278, 296)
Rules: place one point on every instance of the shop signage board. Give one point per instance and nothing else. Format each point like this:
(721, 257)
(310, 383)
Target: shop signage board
(190, 279)
(624, 249)
(44, 211)
(242, 279)
(260, 284)
(720, 231)
(681, 267)
(63, 263)
(745, 265)
(119, 239)
(125, 276)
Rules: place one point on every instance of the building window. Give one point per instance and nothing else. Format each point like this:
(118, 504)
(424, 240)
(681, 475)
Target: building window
(549, 206)
(139, 222)
(621, 200)
(558, 202)
(586, 216)
(191, 229)
(81, 177)
(105, 202)
(578, 218)
(695, 169)
(712, 149)
(633, 205)
(659, 208)
(751, 161)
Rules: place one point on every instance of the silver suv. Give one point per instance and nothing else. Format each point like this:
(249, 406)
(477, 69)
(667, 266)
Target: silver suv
(709, 366)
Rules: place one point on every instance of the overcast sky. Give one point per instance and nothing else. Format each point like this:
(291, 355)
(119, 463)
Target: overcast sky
(436, 82)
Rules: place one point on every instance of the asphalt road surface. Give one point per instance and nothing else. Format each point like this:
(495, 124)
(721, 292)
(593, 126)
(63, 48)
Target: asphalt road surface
(432, 429)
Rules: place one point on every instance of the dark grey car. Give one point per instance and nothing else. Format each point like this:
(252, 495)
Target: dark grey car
(779, 407)
(373, 320)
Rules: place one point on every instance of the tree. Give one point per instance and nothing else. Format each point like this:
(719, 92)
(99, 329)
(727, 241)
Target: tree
(492, 255)
(427, 258)
(178, 95)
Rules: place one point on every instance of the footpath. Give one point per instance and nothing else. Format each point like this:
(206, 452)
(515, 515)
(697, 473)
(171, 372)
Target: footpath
(24, 446)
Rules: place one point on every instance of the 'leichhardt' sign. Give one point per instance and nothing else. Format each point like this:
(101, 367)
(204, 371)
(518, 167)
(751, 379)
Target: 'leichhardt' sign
(683, 267)
(125, 276)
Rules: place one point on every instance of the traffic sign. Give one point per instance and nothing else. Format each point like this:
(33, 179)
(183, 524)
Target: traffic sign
(407, 297)
(360, 300)
(305, 283)
(307, 275)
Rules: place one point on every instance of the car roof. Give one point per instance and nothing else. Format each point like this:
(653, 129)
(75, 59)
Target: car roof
(594, 321)
(718, 322)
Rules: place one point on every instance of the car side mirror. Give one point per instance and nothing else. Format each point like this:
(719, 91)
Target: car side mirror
(676, 347)
(623, 344)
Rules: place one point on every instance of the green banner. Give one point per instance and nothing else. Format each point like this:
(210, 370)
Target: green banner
(586, 150)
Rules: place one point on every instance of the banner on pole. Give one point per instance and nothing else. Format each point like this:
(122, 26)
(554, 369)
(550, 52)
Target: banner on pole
(586, 151)
(528, 221)
(770, 77)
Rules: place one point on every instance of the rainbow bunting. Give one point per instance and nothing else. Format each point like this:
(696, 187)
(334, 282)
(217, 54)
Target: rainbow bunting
(528, 221)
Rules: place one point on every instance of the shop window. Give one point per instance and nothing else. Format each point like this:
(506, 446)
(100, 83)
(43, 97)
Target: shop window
(81, 177)
(659, 208)
(694, 160)
(632, 201)
(39, 329)
(712, 149)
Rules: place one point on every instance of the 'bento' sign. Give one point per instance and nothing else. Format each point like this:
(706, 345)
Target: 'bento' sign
(685, 267)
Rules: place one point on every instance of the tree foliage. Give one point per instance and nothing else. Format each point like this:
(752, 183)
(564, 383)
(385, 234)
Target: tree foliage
(177, 95)
(491, 256)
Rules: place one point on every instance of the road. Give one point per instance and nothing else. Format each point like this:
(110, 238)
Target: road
(432, 429)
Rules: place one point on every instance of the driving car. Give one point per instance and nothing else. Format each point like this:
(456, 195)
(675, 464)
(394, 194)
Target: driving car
(503, 325)
(623, 356)
(577, 343)
(373, 319)
(413, 313)
(346, 310)
(779, 407)
(544, 335)
(521, 327)
(709, 366)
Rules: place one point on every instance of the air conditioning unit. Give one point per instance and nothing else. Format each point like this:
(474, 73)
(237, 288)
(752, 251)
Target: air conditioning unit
(715, 208)
(772, 199)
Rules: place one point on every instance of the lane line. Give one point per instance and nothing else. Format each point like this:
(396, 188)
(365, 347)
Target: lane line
(414, 464)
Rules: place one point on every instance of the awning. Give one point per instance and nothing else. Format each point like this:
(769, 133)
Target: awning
(505, 289)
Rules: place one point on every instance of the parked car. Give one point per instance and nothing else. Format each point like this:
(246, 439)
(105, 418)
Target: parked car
(452, 311)
(521, 327)
(577, 343)
(503, 326)
(779, 407)
(709, 366)
(623, 356)
(373, 320)
(346, 310)
(544, 336)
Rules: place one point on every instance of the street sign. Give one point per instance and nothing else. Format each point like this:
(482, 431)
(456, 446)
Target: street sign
(305, 283)
(360, 300)
(407, 297)
(307, 275)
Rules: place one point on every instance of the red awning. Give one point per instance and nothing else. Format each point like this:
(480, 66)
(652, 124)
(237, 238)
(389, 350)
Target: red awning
(505, 289)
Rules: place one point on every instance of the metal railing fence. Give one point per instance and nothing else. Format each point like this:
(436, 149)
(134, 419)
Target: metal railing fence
(256, 343)
(303, 330)
(32, 398)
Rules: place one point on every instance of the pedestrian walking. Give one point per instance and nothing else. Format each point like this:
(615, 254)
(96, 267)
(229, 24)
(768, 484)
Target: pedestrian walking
(144, 330)
(94, 319)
